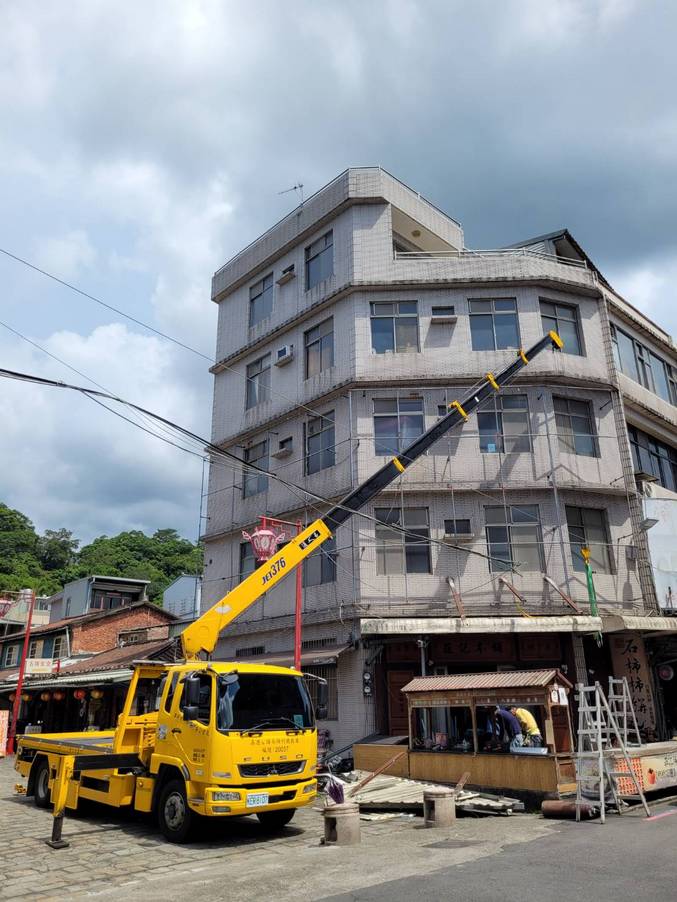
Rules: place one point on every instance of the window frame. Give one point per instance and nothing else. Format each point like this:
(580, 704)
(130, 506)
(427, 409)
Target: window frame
(455, 531)
(576, 557)
(266, 284)
(660, 459)
(326, 424)
(325, 554)
(496, 409)
(11, 655)
(645, 359)
(322, 339)
(328, 672)
(493, 313)
(400, 414)
(313, 252)
(395, 315)
(401, 545)
(257, 385)
(557, 318)
(246, 553)
(254, 483)
(563, 437)
(57, 644)
(506, 519)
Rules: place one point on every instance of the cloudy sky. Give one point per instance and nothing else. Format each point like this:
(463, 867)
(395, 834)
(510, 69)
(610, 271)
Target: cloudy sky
(144, 143)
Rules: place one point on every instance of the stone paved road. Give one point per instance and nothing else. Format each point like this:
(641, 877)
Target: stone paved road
(122, 856)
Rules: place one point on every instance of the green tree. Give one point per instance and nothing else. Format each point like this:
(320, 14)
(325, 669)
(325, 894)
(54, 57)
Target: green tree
(56, 548)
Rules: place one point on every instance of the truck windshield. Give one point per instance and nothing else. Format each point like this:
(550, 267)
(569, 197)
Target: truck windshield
(265, 701)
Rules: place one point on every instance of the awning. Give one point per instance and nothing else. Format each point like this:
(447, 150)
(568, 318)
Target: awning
(308, 658)
(614, 623)
(81, 679)
(407, 626)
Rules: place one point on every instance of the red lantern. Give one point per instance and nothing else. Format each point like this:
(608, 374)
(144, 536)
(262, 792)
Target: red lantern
(45, 696)
(58, 695)
(264, 542)
(12, 696)
(79, 694)
(26, 696)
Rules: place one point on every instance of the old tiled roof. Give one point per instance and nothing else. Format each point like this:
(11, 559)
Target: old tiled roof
(122, 656)
(509, 679)
(86, 618)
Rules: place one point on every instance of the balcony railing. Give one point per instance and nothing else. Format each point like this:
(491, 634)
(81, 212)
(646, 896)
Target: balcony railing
(468, 254)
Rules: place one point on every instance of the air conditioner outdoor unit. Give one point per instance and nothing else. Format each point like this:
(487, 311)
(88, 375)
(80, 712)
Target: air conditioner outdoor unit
(284, 355)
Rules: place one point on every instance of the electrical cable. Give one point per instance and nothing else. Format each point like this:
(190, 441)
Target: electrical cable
(214, 449)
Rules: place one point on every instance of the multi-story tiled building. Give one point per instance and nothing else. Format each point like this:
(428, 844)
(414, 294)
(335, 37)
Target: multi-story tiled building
(344, 331)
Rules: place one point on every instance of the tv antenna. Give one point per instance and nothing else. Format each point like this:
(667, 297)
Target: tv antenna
(298, 188)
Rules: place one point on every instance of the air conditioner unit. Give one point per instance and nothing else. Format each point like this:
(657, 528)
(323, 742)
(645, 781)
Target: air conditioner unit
(284, 355)
(443, 315)
(287, 275)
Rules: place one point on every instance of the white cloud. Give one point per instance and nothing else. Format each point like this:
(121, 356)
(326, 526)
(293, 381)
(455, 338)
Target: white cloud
(66, 256)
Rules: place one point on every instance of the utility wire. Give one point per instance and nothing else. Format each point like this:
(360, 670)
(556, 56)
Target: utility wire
(214, 449)
(144, 325)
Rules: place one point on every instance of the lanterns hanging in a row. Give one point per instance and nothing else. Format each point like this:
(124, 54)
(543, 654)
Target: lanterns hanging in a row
(96, 693)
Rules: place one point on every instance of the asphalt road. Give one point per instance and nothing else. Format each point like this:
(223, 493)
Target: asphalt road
(626, 859)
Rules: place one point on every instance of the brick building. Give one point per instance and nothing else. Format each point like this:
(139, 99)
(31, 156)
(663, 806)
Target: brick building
(344, 331)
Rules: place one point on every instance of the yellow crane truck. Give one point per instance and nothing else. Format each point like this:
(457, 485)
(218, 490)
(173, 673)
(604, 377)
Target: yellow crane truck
(220, 739)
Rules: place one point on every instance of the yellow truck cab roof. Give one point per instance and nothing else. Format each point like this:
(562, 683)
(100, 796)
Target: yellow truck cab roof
(220, 667)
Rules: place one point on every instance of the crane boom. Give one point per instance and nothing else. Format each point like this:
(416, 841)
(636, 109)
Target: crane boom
(202, 635)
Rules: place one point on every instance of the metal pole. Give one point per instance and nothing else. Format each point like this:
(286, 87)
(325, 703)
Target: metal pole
(19, 686)
(299, 606)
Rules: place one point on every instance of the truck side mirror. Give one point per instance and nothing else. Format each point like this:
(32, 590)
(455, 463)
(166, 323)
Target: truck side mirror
(322, 699)
(190, 698)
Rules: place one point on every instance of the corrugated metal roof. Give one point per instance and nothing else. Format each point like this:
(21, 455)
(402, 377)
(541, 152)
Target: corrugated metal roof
(509, 679)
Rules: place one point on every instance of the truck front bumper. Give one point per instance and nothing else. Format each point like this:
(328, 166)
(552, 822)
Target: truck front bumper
(238, 800)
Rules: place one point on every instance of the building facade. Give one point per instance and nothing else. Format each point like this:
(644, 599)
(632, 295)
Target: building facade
(183, 596)
(345, 331)
(96, 593)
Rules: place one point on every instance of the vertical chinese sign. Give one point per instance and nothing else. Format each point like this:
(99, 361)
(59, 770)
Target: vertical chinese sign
(629, 660)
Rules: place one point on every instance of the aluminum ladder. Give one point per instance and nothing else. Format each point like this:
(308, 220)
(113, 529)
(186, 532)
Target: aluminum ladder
(602, 740)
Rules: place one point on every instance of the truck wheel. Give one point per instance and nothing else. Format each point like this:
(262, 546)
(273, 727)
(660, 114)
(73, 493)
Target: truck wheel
(41, 795)
(276, 820)
(175, 817)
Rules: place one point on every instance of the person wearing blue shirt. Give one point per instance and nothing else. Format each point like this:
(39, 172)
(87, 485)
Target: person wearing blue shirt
(510, 727)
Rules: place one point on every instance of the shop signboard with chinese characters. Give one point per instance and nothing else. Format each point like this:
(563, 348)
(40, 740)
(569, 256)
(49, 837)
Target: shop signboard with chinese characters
(629, 660)
(36, 666)
(494, 649)
(4, 726)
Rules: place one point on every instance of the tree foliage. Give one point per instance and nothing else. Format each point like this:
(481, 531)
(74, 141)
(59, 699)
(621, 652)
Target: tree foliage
(45, 562)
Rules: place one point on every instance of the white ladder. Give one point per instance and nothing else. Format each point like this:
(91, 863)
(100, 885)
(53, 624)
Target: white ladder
(622, 708)
(601, 742)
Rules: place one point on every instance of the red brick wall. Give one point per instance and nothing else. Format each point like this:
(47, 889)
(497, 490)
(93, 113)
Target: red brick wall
(102, 634)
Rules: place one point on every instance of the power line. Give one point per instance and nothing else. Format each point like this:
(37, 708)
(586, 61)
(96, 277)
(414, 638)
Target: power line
(144, 325)
(214, 449)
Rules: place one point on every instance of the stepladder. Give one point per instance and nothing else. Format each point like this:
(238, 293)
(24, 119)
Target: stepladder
(607, 733)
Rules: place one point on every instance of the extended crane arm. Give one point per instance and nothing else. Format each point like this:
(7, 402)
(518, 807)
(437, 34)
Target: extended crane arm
(203, 634)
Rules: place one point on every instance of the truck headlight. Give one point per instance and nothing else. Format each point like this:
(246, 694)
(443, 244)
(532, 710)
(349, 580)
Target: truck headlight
(225, 797)
(311, 787)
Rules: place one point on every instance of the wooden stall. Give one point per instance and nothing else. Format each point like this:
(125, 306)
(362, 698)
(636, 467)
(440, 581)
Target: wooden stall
(452, 730)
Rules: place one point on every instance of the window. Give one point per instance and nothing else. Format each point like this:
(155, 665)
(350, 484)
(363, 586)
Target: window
(33, 649)
(247, 560)
(320, 441)
(562, 319)
(170, 692)
(575, 429)
(320, 566)
(326, 672)
(11, 655)
(319, 345)
(394, 327)
(57, 648)
(397, 422)
(258, 381)
(261, 300)
(443, 313)
(643, 366)
(493, 324)
(253, 482)
(514, 537)
(204, 705)
(587, 529)
(398, 552)
(315, 644)
(505, 429)
(653, 457)
(250, 651)
(442, 410)
(319, 260)
(457, 528)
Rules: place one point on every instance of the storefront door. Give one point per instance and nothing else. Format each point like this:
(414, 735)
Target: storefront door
(397, 701)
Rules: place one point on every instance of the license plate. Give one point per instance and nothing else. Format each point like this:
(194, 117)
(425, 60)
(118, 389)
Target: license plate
(256, 799)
